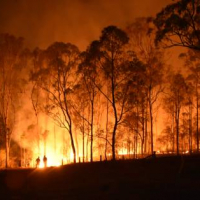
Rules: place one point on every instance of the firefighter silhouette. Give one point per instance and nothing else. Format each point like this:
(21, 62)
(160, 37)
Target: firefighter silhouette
(45, 161)
(38, 162)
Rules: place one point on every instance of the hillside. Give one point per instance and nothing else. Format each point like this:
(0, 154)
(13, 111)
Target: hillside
(161, 178)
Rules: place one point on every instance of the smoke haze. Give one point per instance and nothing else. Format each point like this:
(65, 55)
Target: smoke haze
(41, 22)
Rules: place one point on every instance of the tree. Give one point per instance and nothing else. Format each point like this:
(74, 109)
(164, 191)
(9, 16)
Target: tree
(178, 24)
(57, 78)
(36, 98)
(189, 104)
(168, 106)
(12, 55)
(176, 97)
(111, 55)
(166, 138)
(142, 35)
(134, 120)
(89, 77)
(81, 107)
(192, 64)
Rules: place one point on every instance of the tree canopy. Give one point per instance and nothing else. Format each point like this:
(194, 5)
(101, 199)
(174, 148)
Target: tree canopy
(178, 24)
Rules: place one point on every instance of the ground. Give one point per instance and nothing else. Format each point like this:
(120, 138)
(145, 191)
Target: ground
(172, 177)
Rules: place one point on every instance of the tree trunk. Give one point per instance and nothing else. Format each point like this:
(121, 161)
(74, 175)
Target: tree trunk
(83, 137)
(146, 130)
(114, 140)
(151, 121)
(72, 143)
(197, 118)
(7, 150)
(137, 131)
(92, 121)
(190, 127)
(114, 108)
(143, 131)
(173, 132)
(177, 130)
(106, 144)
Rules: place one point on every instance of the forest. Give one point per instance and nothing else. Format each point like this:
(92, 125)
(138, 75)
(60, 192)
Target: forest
(106, 102)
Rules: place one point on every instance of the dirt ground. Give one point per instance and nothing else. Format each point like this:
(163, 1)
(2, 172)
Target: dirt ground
(173, 178)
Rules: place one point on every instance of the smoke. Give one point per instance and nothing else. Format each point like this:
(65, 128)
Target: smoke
(42, 22)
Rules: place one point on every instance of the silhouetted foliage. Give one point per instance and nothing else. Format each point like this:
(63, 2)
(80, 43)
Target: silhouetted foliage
(178, 24)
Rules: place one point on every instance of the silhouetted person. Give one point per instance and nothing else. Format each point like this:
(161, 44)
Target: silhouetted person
(154, 154)
(45, 161)
(38, 162)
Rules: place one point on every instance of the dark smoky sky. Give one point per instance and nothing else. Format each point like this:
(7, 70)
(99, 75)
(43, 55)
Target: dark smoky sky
(41, 22)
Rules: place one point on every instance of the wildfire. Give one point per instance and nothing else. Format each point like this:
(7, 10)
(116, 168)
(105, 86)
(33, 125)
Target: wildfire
(122, 152)
(53, 158)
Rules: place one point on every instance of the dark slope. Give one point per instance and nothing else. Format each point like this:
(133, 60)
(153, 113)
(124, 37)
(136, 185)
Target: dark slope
(160, 178)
